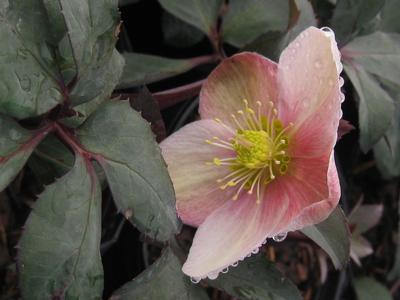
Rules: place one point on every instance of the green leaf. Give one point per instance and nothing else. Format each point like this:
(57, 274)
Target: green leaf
(377, 53)
(387, 150)
(50, 160)
(143, 69)
(333, 236)
(93, 28)
(178, 33)
(202, 14)
(105, 78)
(124, 146)
(246, 20)
(368, 288)
(16, 145)
(163, 280)
(351, 15)
(256, 278)
(60, 249)
(272, 43)
(29, 77)
(375, 107)
(389, 16)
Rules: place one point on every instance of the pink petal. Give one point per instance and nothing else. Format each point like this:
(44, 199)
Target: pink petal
(231, 232)
(186, 154)
(309, 91)
(242, 76)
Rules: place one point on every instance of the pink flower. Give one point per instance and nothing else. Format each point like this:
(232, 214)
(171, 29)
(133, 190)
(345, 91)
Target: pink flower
(260, 161)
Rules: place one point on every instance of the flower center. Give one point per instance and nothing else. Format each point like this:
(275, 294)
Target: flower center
(259, 151)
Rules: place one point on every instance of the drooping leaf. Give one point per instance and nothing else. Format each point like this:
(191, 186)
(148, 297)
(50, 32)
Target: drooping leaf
(351, 15)
(272, 43)
(29, 78)
(143, 69)
(368, 288)
(163, 280)
(333, 236)
(178, 33)
(60, 249)
(16, 145)
(246, 20)
(124, 146)
(375, 107)
(256, 278)
(93, 28)
(202, 14)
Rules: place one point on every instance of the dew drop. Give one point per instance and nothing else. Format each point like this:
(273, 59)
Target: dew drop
(195, 280)
(235, 264)
(318, 64)
(297, 44)
(14, 134)
(255, 251)
(341, 81)
(213, 276)
(328, 32)
(330, 82)
(224, 271)
(280, 237)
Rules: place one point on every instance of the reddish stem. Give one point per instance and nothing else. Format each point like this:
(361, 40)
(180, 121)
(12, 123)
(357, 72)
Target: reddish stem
(173, 96)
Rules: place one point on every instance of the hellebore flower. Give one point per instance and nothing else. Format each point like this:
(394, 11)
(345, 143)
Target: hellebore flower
(260, 161)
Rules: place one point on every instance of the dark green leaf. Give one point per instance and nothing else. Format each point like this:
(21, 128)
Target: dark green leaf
(351, 15)
(395, 271)
(333, 236)
(369, 289)
(60, 249)
(29, 78)
(387, 150)
(389, 17)
(93, 28)
(50, 160)
(16, 145)
(178, 33)
(202, 14)
(272, 43)
(105, 78)
(375, 108)
(127, 2)
(246, 20)
(142, 68)
(135, 170)
(256, 278)
(148, 107)
(163, 280)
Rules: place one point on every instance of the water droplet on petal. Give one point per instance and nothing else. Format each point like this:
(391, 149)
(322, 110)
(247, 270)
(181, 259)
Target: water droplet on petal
(341, 81)
(318, 64)
(195, 280)
(330, 82)
(328, 32)
(235, 264)
(213, 275)
(280, 237)
(297, 44)
(255, 251)
(224, 271)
